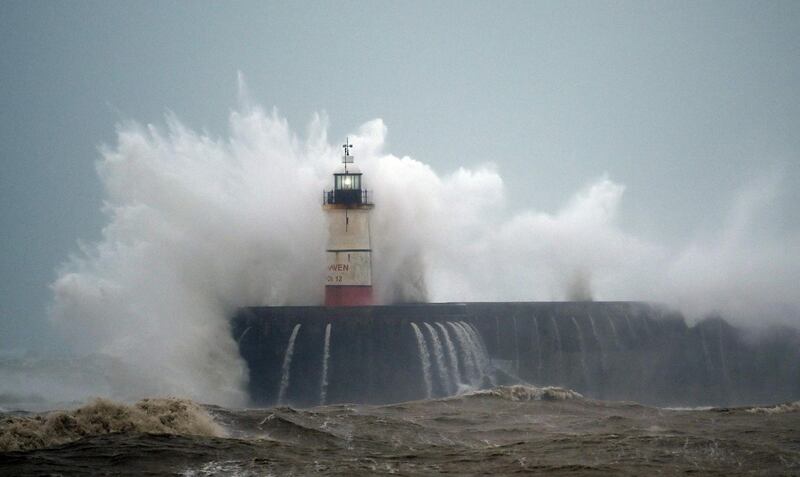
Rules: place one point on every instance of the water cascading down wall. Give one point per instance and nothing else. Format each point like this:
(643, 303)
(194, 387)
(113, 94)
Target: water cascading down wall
(306, 356)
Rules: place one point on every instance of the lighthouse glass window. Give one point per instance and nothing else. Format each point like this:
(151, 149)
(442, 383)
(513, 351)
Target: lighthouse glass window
(348, 182)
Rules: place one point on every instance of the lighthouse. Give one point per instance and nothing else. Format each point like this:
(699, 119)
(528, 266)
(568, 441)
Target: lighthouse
(348, 280)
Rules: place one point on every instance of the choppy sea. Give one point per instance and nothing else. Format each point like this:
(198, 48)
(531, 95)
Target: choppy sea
(504, 430)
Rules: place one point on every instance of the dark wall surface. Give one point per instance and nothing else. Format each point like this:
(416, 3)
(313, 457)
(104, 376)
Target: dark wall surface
(605, 350)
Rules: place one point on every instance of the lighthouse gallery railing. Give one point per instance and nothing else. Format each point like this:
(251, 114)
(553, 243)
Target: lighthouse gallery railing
(346, 197)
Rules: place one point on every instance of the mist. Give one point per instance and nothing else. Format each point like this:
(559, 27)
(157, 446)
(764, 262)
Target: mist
(198, 226)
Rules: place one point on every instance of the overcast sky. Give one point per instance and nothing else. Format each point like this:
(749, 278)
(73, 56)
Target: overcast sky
(684, 103)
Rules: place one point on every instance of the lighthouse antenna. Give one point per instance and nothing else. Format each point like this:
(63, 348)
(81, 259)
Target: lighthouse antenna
(347, 146)
(347, 158)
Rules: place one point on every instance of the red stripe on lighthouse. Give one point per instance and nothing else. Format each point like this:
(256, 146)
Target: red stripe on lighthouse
(348, 295)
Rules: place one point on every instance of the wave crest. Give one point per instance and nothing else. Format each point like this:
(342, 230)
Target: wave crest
(777, 409)
(102, 416)
(520, 392)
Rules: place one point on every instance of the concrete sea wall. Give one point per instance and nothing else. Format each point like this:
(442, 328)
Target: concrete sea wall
(305, 356)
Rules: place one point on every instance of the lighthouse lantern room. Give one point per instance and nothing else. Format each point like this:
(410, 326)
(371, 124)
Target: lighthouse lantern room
(348, 279)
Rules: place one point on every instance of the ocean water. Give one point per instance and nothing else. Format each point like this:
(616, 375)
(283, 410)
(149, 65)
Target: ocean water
(501, 430)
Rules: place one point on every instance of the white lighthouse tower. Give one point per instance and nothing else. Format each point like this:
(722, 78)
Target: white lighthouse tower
(349, 268)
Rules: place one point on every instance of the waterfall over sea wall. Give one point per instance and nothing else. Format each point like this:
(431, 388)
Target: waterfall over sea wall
(604, 350)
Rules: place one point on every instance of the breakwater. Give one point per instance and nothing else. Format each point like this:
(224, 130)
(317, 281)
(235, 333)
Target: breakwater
(306, 356)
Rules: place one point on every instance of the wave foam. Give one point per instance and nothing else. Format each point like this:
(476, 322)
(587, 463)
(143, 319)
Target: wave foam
(520, 392)
(777, 409)
(101, 416)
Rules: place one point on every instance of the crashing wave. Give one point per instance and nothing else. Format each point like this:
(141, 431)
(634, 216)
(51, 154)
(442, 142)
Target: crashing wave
(777, 409)
(101, 416)
(520, 392)
(287, 428)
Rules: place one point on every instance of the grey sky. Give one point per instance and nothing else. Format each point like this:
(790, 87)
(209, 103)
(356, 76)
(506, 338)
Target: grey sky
(684, 103)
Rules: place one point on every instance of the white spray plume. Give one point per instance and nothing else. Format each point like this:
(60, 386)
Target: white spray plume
(748, 272)
(198, 227)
